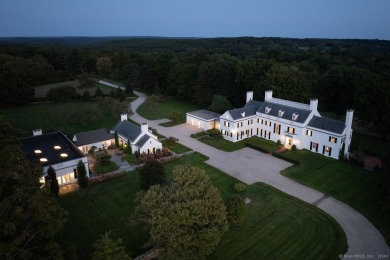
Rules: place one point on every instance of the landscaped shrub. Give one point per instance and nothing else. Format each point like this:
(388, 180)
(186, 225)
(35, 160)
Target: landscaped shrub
(294, 147)
(169, 159)
(239, 187)
(278, 142)
(170, 141)
(104, 178)
(284, 157)
(103, 159)
(236, 209)
(62, 93)
(260, 149)
(214, 133)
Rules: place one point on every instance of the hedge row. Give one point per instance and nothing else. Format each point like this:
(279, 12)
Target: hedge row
(283, 157)
(105, 178)
(260, 149)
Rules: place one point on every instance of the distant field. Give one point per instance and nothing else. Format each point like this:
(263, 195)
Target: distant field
(54, 117)
(277, 226)
(165, 108)
(42, 90)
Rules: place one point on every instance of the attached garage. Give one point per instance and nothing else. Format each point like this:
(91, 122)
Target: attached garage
(203, 119)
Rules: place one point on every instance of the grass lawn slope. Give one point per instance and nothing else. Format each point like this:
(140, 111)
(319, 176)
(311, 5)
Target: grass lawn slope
(165, 108)
(55, 116)
(354, 185)
(276, 227)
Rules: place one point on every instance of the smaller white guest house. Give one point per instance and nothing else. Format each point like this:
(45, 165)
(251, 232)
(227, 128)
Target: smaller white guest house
(140, 138)
(56, 150)
(99, 138)
(291, 123)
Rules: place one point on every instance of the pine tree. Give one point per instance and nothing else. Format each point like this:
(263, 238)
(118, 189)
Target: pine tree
(53, 182)
(107, 248)
(82, 178)
(116, 139)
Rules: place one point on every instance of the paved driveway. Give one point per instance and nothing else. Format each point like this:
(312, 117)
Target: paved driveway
(251, 166)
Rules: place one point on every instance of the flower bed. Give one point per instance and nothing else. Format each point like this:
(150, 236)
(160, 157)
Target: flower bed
(104, 178)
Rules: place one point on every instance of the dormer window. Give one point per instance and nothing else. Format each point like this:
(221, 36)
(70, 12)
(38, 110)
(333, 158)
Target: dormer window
(281, 113)
(243, 114)
(267, 110)
(295, 116)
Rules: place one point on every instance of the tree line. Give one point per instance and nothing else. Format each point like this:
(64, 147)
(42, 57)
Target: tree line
(343, 74)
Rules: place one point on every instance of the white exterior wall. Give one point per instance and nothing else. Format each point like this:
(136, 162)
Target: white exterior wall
(86, 148)
(203, 124)
(299, 138)
(149, 145)
(65, 170)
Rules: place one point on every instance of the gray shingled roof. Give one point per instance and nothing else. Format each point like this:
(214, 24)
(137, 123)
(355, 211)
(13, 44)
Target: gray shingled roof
(204, 114)
(238, 113)
(288, 111)
(93, 136)
(254, 103)
(127, 129)
(327, 124)
(142, 140)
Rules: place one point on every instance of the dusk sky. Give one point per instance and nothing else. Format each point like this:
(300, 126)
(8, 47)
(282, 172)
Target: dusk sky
(365, 19)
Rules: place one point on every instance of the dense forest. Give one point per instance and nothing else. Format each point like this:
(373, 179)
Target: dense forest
(343, 74)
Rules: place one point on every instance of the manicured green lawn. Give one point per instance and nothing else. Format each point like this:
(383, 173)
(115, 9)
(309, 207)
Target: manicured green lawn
(200, 134)
(176, 147)
(370, 145)
(100, 169)
(354, 185)
(53, 117)
(276, 227)
(165, 108)
(228, 146)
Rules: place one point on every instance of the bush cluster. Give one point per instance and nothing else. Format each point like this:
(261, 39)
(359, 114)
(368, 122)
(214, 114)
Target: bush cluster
(104, 178)
(239, 187)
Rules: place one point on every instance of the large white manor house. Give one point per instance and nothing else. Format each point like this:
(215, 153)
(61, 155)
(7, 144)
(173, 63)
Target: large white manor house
(276, 119)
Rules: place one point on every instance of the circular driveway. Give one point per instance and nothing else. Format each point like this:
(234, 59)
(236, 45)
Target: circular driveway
(250, 166)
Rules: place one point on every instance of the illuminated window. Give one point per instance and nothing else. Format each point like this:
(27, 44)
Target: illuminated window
(281, 112)
(291, 130)
(309, 132)
(332, 139)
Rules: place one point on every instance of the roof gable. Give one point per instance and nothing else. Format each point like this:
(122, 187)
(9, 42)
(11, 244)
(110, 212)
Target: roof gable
(244, 112)
(128, 130)
(327, 124)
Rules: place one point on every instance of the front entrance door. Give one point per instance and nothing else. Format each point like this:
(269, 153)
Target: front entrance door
(288, 142)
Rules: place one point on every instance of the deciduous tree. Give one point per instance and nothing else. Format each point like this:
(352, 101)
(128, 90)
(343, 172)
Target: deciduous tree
(187, 218)
(30, 217)
(107, 248)
(152, 173)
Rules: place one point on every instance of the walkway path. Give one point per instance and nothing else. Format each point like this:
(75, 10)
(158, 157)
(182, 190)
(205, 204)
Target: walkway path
(251, 166)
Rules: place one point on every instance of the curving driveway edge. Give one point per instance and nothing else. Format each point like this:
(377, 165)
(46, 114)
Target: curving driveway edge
(250, 166)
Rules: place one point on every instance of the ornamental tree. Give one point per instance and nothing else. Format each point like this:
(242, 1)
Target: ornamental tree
(52, 180)
(82, 178)
(187, 217)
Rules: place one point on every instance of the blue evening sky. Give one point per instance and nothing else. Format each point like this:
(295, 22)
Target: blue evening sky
(368, 19)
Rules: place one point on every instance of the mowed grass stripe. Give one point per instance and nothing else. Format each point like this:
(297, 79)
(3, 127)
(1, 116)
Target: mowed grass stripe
(277, 226)
(352, 184)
